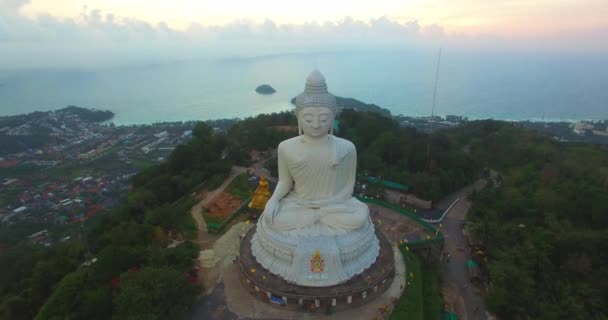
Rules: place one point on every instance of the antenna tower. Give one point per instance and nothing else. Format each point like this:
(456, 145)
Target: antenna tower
(428, 146)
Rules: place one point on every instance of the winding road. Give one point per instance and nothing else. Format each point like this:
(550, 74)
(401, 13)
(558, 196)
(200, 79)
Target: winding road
(460, 295)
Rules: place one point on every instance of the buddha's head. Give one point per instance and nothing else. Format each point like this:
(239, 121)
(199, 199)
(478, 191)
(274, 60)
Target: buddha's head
(316, 108)
(263, 182)
(315, 122)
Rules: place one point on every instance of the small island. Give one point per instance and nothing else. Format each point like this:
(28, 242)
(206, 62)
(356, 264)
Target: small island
(265, 89)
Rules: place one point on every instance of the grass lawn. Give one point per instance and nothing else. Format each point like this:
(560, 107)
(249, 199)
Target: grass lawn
(433, 302)
(421, 299)
(211, 219)
(240, 187)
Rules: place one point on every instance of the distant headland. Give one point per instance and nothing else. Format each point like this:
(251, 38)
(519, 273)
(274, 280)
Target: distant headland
(350, 103)
(88, 114)
(42, 128)
(265, 89)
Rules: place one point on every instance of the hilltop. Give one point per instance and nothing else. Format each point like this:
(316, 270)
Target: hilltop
(543, 207)
(354, 104)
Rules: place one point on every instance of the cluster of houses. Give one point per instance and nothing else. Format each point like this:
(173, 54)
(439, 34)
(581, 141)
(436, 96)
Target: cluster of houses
(67, 136)
(65, 201)
(73, 141)
(583, 127)
(61, 202)
(426, 124)
(98, 151)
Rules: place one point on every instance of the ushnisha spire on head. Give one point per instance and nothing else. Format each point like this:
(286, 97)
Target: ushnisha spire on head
(315, 94)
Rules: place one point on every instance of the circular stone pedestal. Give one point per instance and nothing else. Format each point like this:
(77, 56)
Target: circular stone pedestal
(358, 290)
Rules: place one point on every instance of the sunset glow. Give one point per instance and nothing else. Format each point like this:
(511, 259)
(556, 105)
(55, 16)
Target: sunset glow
(516, 18)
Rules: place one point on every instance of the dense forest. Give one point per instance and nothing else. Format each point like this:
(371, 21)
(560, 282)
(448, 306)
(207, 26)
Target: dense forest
(128, 270)
(543, 223)
(431, 165)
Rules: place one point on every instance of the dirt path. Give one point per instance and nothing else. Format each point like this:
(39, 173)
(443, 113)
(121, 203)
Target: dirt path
(203, 239)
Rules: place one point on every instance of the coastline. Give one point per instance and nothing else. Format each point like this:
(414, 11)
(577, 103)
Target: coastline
(34, 129)
(116, 119)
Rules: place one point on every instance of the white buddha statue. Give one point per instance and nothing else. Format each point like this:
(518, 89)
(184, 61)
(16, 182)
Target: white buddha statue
(313, 232)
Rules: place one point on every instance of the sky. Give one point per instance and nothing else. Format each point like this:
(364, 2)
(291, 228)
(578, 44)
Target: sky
(42, 33)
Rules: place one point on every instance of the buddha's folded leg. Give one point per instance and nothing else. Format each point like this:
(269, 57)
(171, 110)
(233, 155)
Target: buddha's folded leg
(293, 216)
(348, 216)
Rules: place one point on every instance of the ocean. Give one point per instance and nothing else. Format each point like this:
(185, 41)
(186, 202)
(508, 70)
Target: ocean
(507, 86)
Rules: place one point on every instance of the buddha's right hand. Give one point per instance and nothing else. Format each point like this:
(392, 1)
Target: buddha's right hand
(271, 210)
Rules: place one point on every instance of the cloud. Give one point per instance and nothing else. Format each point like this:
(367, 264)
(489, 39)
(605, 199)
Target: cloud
(12, 6)
(95, 33)
(97, 38)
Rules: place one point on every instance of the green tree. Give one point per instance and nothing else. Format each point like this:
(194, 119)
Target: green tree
(15, 307)
(154, 293)
(165, 216)
(64, 298)
(96, 303)
(112, 261)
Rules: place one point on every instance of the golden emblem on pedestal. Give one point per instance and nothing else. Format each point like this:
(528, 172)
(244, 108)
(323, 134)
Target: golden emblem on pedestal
(316, 262)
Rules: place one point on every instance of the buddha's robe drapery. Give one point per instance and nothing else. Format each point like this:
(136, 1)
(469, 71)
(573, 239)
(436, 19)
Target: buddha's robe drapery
(321, 200)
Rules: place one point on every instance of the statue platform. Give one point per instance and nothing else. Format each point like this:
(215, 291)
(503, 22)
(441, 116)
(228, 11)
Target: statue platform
(358, 290)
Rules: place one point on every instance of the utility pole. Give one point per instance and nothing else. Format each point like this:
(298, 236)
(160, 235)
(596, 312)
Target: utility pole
(84, 238)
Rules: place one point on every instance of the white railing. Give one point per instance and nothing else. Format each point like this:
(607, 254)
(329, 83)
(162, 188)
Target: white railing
(443, 215)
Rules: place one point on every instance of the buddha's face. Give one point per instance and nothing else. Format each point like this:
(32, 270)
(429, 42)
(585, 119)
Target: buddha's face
(316, 121)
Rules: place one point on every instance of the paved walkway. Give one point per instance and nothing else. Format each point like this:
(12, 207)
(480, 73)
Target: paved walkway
(230, 300)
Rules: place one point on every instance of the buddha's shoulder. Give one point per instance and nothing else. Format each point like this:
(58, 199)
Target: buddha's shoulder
(289, 143)
(296, 142)
(343, 143)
